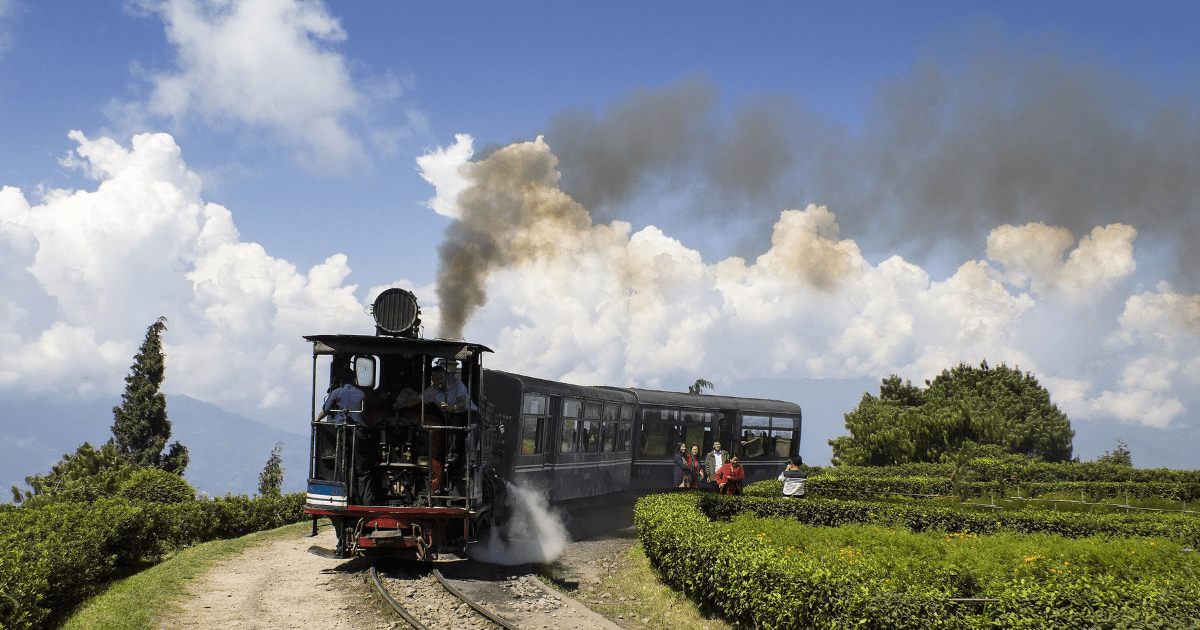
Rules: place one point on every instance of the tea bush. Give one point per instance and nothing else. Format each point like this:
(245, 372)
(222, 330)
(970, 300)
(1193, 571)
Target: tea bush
(833, 483)
(158, 486)
(53, 557)
(918, 517)
(1014, 470)
(781, 574)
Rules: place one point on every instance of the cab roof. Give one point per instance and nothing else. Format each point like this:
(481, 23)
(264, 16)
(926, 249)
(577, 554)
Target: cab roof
(403, 346)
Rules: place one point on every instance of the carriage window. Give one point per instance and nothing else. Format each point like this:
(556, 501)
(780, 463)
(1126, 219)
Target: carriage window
(535, 405)
(782, 442)
(533, 424)
(531, 429)
(623, 436)
(702, 417)
(755, 439)
(609, 430)
(589, 436)
(662, 440)
(767, 436)
(572, 412)
(655, 440)
(568, 435)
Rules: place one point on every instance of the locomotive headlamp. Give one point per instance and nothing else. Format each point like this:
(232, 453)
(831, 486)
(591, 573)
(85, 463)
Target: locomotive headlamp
(396, 313)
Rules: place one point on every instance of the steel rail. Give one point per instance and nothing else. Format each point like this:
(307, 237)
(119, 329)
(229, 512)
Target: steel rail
(497, 619)
(412, 621)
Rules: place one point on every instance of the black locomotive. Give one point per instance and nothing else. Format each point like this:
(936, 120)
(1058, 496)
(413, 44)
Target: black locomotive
(437, 476)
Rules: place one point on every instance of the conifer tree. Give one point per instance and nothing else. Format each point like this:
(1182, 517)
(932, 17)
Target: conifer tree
(140, 426)
(270, 480)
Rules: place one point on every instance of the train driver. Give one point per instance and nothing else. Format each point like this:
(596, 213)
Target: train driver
(450, 395)
(346, 404)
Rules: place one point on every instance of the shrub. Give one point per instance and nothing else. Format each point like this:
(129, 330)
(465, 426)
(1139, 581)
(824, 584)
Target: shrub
(1179, 528)
(52, 557)
(797, 577)
(157, 486)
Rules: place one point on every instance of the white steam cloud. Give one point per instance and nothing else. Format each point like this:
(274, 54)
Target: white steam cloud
(532, 534)
(86, 271)
(599, 303)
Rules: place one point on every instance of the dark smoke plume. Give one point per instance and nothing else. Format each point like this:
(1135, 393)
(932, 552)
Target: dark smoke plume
(511, 211)
(968, 139)
(963, 142)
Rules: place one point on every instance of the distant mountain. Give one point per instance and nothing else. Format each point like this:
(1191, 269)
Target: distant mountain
(227, 451)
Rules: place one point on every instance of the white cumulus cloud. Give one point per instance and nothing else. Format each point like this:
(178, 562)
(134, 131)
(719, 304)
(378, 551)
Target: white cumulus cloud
(270, 64)
(89, 270)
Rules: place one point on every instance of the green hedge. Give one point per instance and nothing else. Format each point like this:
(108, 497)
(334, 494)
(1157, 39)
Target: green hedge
(1180, 528)
(1019, 470)
(53, 557)
(754, 584)
(1098, 490)
(827, 484)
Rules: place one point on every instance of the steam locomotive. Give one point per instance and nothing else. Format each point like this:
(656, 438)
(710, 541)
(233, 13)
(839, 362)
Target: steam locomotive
(434, 478)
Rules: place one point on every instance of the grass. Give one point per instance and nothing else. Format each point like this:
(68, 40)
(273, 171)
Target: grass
(633, 596)
(135, 602)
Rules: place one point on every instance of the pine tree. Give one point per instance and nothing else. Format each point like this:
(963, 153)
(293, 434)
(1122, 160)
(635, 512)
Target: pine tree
(140, 428)
(270, 480)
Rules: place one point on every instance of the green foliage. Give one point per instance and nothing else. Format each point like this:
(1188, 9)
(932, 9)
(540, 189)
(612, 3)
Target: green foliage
(157, 486)
(52, 557)
(1015, 468)
(140, 426)
(778, 574)
(1119, 457)
(700, 385)
(85, 475)
(919, 517)
(998, 407)
(270, 480)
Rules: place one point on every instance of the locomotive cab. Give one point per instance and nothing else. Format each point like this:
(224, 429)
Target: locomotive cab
(395, 461)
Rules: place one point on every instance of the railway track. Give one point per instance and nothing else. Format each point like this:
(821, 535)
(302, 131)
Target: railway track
(479, 596)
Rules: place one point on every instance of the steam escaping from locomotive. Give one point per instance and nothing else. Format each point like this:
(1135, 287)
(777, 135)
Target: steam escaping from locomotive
(532, 532)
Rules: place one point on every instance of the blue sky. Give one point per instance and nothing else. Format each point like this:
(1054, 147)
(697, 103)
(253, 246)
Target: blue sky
(959, 158)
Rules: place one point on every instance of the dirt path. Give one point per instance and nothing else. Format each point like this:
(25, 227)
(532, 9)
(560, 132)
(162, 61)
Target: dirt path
(280, 586)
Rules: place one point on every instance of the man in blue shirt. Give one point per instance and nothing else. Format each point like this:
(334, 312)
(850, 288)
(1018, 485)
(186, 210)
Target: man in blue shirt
(346, 402)
(346, 405)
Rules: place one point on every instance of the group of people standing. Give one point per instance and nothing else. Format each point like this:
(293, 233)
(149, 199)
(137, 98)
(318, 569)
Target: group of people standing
(722, 472)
